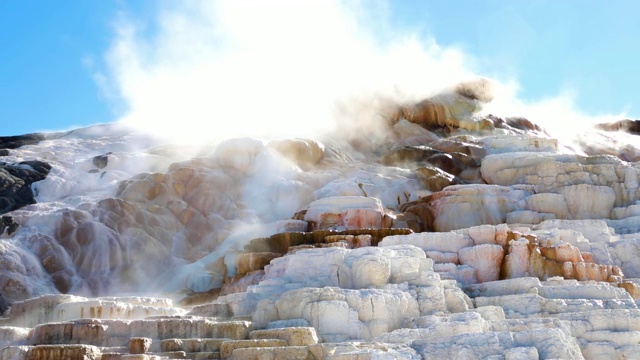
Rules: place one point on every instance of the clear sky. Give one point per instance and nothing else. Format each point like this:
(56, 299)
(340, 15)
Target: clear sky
(57, 68)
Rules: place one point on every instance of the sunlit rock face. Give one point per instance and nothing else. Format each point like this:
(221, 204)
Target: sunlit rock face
(530, 188)
(451, 111)
(444, 233)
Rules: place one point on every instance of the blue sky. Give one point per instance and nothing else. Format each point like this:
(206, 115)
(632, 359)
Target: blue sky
(54, 53)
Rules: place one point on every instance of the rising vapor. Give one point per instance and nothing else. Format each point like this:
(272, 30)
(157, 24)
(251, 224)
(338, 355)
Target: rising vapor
(212, 70)
(221, 69)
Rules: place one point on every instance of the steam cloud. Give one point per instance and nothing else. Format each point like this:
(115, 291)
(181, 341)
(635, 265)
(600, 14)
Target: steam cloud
(217, 69)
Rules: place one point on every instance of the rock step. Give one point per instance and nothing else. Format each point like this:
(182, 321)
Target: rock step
(114, 349)
(280, 242)
(361, 350)
(572, 290)
(608, 350)
(51, 352)
(532, 344)
(57, 308)
(193, 345)
(228, 347)
(248, 350)
(601, 291)
(294, 336)
(115, 333)
(211, 309)
(162, 355)
(172, 355)
(13, 335)
(272, 352)
(617, 320)
(531, 304)
(619, 338)
(119, 356)
(215, 355)
(200, 327)
(115, 308)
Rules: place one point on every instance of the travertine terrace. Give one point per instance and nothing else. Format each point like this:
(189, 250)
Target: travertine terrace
(451, 234)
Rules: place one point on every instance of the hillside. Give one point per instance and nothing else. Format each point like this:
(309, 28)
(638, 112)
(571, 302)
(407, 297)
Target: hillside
(432, 230)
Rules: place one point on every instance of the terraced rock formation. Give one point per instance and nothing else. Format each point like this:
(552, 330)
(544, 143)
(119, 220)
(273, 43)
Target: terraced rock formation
(450, 234)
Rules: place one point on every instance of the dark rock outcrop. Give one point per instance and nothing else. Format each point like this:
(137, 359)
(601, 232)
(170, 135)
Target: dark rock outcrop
(101, 161)
(8, 225)
(435, 179)
(14, 142)
(4, 305)
(629, 126)
(15, 181)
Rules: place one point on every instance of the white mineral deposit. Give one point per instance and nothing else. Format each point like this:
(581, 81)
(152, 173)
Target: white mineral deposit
(416, 228)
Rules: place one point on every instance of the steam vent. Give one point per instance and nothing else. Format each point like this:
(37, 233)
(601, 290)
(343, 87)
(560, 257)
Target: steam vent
(438, 232)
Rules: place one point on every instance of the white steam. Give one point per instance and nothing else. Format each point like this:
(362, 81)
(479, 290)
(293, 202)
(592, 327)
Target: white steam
(223, 69)
(212, 70)
(558, 114)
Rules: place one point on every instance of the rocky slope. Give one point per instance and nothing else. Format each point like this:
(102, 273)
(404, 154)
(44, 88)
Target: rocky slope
(441, 232)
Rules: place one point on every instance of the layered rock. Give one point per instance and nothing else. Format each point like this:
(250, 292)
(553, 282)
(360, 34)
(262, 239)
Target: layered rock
(14, 142)
(346, 212)
(385, 300)
(627, 125)
(450, 234)
(533, 187)
(450, 110)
